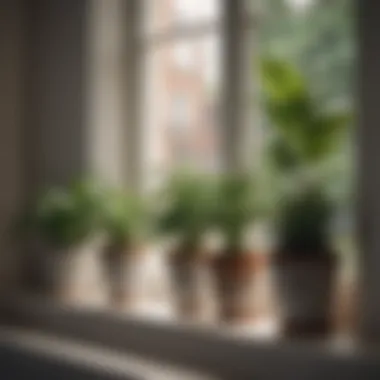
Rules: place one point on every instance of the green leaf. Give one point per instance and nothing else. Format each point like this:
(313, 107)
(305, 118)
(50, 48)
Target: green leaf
(66, 216)
(188, 204)
(237, 207)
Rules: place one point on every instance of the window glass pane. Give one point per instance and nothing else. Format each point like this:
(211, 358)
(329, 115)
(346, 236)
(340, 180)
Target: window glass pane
(163, 15)
(181, 106)
(190, 11)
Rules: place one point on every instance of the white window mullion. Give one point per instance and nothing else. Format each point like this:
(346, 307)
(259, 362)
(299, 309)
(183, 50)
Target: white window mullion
(238, 130)
(134, 138)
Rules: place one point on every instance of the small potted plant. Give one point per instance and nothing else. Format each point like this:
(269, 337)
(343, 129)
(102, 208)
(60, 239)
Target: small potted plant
(234, 267)
(305, 263)
(303, 142)
(126, 224)
(64, 224)
(186, 216)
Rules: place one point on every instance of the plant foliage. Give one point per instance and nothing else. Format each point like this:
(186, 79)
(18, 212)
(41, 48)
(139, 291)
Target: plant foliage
(126, 218)
(188, 209)
(303, 134)
(303, 223)
(236, 208)
(303, 142)
(64, 217)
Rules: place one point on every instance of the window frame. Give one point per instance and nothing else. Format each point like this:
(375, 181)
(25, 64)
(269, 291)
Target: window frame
(236, 21)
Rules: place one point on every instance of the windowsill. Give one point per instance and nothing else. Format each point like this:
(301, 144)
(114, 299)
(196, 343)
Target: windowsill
(261, 329)
(31, 354)
(244, 352)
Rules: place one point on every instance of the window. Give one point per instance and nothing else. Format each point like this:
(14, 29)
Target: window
(181, 46)
(182, 85)
(180, 112)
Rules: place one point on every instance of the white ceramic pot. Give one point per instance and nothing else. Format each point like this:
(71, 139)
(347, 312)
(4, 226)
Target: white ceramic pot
(124, 268)
(70, 274)
(191, 288)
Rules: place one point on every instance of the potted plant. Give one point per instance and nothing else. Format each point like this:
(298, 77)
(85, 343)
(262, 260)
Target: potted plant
(126, 223)
(305, 263)
(64, 225)
(186, 216)
(235, 265)
(302, 146)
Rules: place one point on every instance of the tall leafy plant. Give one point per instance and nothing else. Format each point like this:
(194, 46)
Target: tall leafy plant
(304, 135)
(302, 144)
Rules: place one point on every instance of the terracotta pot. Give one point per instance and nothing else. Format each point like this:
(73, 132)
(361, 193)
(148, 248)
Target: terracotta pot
(190, 281)
(346, 306)
(234, 275)
(121, 265)
(305, 287)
